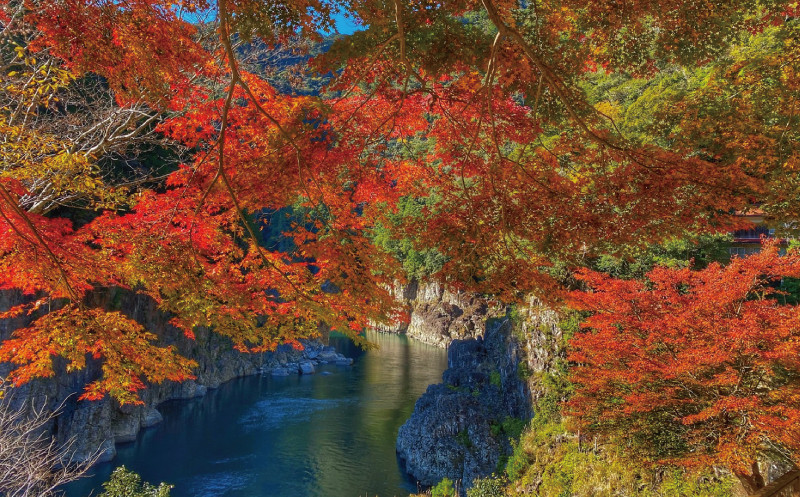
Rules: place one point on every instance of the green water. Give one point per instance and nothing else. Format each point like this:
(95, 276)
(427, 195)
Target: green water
(330, 435)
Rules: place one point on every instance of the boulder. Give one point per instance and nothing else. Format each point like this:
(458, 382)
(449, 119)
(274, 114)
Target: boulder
(326, 356)
(125, 428)
(107, 451)
(438, 315)
(151, 417)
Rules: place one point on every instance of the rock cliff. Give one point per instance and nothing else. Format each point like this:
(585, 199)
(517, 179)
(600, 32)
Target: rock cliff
(437, 315)
(100, 424)
(460, 428)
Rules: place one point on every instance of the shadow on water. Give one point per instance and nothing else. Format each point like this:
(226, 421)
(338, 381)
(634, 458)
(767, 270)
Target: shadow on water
(300, 436)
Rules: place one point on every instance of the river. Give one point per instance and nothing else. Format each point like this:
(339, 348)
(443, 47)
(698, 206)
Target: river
(331, 434)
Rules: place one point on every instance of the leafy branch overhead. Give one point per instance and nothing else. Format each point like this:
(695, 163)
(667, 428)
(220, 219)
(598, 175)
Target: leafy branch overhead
(485, 143)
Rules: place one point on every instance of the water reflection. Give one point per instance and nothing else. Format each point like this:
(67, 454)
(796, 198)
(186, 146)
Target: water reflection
(327, 436)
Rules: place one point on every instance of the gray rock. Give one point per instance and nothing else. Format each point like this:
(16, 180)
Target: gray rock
(151, 417)
(87, 426)
(125, 428)
(107, 451)
(189, 390)
(280, 372)
(438, 315)
(311, 349)
(327, 356)
(307, 368)
(344, 361)
(450, 433)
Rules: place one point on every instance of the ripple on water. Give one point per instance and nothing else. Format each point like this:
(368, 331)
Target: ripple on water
(219, 483)
(276, 412)
(228, 460)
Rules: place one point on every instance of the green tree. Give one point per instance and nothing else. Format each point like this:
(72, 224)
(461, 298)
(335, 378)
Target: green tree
(444, 489)
(126, 483)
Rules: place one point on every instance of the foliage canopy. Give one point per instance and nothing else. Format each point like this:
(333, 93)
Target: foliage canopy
(514, 135)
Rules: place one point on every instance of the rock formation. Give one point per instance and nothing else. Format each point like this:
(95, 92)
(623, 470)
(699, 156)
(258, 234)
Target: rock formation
(437, 316)
(460, 428)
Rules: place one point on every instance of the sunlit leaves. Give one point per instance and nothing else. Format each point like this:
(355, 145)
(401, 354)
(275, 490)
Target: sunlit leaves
(704, 362)
(142, 48)
(77, 334)
(477, 110)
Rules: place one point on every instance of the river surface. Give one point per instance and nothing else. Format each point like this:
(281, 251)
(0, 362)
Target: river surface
(331, 434)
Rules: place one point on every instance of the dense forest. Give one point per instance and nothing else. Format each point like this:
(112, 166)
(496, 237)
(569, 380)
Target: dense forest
(254, 172)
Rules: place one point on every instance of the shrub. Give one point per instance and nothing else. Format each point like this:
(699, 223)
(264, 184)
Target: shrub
(491, 486)
(524, 371)
(125, 483)
(463, 438)
(444, 489)
(30, 457)
(510, 427)
(495, 379)
(518, 462)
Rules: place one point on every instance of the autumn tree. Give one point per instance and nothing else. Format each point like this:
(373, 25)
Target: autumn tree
(191, 246)
(65, 137)
(695, 368)
(475, 108)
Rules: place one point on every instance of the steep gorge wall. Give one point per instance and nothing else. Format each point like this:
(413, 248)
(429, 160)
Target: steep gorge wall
(460, 428)
(437, 315)
(98, 425)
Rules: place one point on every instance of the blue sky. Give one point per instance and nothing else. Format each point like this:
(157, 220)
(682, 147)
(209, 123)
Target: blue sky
(344, 25)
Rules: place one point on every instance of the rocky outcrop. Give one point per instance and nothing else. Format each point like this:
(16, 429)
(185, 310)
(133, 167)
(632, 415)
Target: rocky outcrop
(98, 425)
(537, 331)
(438, 315)
(460, 428)
(456, 430)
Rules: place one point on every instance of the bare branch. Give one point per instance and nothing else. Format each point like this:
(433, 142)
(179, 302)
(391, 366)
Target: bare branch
(32, 463)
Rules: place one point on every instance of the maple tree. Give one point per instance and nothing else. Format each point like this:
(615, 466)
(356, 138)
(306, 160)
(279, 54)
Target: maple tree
(474, 108)
(696, 368)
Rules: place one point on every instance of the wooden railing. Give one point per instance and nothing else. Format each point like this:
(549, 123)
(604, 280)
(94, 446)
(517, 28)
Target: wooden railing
(787, 485)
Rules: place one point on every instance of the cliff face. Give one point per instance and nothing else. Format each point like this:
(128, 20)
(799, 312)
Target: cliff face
(98, 425)
(438, 315)
(460, 428)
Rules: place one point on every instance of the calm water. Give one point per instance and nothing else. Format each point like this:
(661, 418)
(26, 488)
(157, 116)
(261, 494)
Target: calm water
(299, 436)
